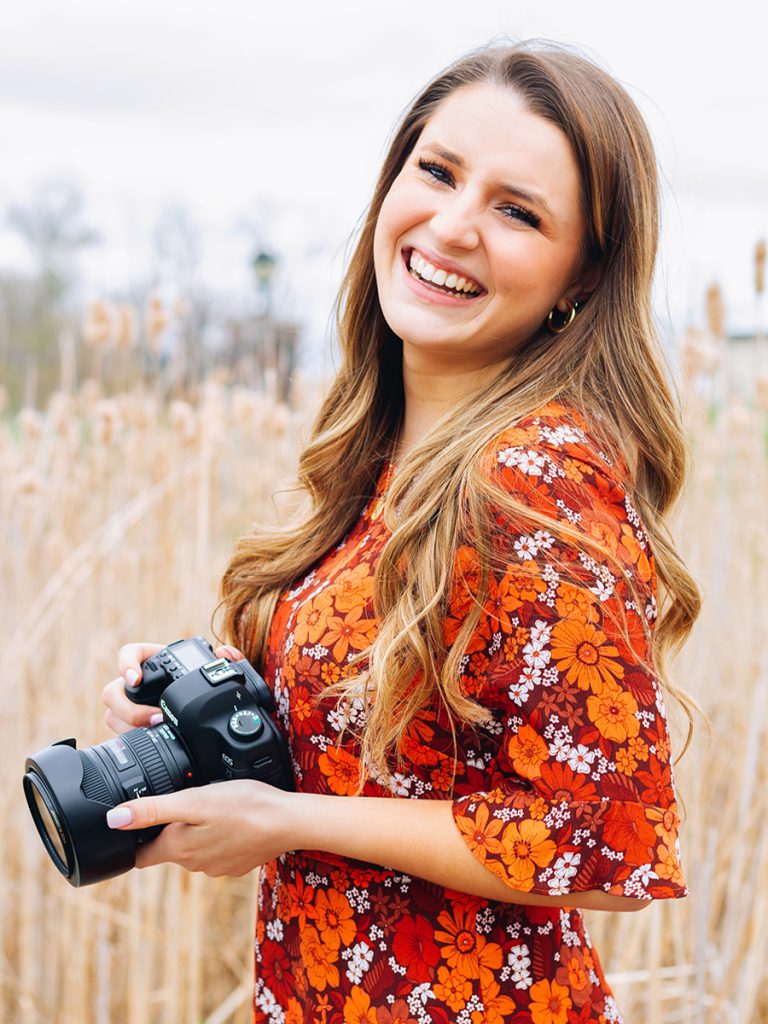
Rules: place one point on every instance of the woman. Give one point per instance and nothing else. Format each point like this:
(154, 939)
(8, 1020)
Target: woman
(466, 614)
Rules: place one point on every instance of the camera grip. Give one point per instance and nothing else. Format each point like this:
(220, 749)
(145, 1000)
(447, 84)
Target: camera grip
(150, 687)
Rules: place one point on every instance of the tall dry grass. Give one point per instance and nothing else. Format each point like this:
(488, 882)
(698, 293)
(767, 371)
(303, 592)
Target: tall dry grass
(116, 518)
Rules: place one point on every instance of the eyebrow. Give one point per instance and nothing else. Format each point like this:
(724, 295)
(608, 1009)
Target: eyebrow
(515, 190)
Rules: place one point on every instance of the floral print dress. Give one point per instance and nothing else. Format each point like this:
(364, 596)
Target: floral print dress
(568, 789)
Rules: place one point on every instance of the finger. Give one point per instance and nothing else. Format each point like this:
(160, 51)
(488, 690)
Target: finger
(160, 850)
(153, 810)
(124, 710)
(130, 657)
(228, 651)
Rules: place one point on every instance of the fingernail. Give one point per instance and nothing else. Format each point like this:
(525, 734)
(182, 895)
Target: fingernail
(119, 816)
(156, 719)
(132, 677)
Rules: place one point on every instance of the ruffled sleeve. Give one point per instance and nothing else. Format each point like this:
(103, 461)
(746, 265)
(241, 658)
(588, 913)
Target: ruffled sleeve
(581, 795)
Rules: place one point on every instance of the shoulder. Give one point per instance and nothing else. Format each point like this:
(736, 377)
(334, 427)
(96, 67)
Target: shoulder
(555, 436)
(561, 466)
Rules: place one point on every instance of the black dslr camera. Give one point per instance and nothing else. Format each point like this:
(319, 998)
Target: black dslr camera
(217, 727)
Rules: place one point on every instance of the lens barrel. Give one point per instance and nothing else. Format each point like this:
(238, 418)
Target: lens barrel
(69, 792)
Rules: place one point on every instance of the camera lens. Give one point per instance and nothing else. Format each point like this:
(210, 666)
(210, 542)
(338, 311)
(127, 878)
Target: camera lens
(46, 822)
(69, 792)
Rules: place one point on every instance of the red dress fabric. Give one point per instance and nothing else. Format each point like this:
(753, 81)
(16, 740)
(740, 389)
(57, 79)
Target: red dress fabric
(570, 787)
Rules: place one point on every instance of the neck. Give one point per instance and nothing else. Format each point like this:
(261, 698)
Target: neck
(432, 389)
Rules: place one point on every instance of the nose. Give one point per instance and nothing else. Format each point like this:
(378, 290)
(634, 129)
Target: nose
(454, 224)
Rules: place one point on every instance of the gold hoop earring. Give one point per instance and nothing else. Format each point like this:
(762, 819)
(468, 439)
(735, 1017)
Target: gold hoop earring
(567, 322)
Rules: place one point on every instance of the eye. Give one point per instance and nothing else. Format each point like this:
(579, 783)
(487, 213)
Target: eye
(515, 212)
(437, 171)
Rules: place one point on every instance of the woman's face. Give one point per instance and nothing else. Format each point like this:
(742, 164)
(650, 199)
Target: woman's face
(487, 206)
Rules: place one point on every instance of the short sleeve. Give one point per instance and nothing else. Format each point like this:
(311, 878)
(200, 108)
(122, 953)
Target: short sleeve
(581, 795)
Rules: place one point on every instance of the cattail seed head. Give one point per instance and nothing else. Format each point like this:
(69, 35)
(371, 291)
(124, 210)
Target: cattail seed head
(157, 321)
(715, 310)
(98, 327)
(760, 267)
(126, 328)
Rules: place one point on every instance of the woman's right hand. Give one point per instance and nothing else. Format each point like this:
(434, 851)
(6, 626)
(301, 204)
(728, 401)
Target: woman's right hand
(122, 714)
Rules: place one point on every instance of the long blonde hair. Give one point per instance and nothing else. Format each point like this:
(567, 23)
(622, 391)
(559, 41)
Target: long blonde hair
(608, 365)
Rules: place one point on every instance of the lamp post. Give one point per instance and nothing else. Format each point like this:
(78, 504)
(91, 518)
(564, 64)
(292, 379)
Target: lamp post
(263, 264)
(264, 267)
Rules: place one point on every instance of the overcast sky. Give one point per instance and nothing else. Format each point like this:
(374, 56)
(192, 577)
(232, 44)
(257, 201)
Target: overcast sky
(276, 114)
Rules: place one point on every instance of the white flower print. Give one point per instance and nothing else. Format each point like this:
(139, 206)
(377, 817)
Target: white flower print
(580, 758)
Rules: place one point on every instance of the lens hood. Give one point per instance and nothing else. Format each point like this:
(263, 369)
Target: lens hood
(81, 844)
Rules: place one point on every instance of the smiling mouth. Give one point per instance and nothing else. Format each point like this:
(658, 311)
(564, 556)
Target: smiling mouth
(448, 283)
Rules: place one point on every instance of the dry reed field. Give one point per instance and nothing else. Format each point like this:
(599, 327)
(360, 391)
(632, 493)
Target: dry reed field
(116, 519)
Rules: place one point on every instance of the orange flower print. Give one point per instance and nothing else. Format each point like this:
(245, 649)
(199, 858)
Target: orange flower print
(638, 748)
(625, 762)
(357, 1007)
(452, 988)
(572, 602)
(560, 782)
(466, 582)
(353, 588)
(463, 948)
(480, 834)
(300, 897)
(605, 534)
(496, 1007)
(319, 960)
(294, 1013)
(613, 711)
(312, 619)
(627, 829)
(657, 782)
(502, 601)
(527, 845)
(334, 918)
(575, 470)
(527, 751)
(523, 586)
(635, 552)
(539, 809)
(583, 652)
(442, 775)
(351, 631)
(668, 865)
(550, 1003)
(397, 1013)
(573, 973)
(341, 771)
(330, 673)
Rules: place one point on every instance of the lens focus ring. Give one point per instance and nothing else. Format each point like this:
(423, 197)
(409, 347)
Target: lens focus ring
(150, 760)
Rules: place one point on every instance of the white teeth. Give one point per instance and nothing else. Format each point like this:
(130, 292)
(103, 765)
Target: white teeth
(439, 277)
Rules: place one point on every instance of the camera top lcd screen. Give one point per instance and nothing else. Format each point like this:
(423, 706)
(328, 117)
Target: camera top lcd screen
(190, 655)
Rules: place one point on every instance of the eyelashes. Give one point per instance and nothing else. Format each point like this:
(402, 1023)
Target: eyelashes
(439, 172)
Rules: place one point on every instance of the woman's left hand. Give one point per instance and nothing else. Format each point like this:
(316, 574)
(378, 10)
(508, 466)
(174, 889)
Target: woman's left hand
(226, 828)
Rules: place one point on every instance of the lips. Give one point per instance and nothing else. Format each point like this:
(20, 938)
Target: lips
(447, 276)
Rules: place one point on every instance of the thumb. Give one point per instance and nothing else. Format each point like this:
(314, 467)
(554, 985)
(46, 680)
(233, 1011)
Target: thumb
(152, 810)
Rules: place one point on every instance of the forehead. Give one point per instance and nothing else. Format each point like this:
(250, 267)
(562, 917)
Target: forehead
(499, 138)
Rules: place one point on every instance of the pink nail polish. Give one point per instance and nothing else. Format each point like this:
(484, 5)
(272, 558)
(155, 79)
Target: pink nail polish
(119, 816)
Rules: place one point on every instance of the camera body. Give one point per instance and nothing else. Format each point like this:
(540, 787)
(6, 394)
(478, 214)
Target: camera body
(217, 726)
(220, 709)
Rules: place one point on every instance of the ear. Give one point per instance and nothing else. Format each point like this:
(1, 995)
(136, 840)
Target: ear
(582, 286)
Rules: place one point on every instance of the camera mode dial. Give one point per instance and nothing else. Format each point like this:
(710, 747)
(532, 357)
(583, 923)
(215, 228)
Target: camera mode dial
(245, 725)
